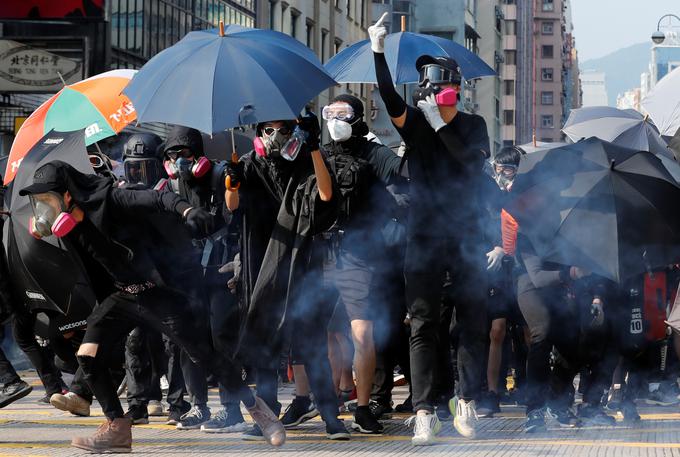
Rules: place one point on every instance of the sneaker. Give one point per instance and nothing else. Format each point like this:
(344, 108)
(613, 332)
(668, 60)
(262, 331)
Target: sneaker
(272, 429)
(426, 428)
(399, 380)
(254, 434)
(594, 415)
(662, 397)
(138, 414)
(155, 408)
(223, 422)
(489, 405)
(165, 385)
(614, 398)
(406, 407)
(192, 420)
(335, 430)
(71, 402)
(365, 422)
(535, 422)
(113, 436)
(300, 410)
(565, 418)
(630, 413)
(13, 392)
(464, 416)
(175, 414)
(380, 410)
(45, 399)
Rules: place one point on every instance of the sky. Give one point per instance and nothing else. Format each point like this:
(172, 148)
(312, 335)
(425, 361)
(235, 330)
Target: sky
(604, 26)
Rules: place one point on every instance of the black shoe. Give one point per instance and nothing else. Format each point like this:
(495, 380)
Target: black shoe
(365, 422)
(535, 421)
(175, 413)
(197, 416)
(614, 399)
(563, 417)
(489, 405)
(594, 415)
(380, 410)
(15, 391)
(138, 414)
(406, 407)
(335, 430)
(630, 413)
(300, 410)
(45, 399)
(254, 434)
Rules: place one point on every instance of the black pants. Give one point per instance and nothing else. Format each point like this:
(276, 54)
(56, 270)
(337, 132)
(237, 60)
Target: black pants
(144, 359)
(41, 358)
(8, 374)
(165, 311)
(427, 260)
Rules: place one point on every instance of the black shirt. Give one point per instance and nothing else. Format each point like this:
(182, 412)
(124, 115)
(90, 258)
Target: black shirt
(444, 168)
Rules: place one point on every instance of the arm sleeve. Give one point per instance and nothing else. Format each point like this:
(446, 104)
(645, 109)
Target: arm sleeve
(471, 151)
(135, 201)
(393, 102)
(534, 266)
(385, 164)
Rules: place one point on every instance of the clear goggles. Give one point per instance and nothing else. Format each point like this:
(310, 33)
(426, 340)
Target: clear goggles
(507, 170)
(269, 131)
(436, 74)
(339, 111)
(173, 154)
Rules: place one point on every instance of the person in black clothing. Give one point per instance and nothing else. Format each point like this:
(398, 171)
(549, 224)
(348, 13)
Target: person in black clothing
(119, 229)
(447, 152)
(201, 182)
(285, 196)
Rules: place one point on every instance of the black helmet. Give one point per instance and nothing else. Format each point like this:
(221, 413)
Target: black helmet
(142, 146)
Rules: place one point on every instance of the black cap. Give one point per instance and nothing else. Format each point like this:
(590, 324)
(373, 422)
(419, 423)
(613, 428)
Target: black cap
(47, 178)
(181, 137)
(442, 61)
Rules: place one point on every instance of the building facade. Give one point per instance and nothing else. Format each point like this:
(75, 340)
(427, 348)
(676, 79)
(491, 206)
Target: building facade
(594, 88)
(629, 100)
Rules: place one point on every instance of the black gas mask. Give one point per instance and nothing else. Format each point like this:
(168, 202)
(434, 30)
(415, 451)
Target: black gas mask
(430, 79)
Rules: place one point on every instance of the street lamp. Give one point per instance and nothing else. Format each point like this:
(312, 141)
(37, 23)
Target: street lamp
(658, 37)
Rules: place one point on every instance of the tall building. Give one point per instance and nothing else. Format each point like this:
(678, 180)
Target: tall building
(594, 88)
(513, 83)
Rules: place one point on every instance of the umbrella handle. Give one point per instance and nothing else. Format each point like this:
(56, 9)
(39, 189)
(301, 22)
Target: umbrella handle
(227, 180)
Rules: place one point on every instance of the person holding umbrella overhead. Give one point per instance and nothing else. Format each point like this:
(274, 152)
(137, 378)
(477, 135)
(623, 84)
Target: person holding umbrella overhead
(447, 152)
(112, 227)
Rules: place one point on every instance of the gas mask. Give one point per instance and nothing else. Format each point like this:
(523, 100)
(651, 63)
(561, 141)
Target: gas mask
(50, 216)
(504, 175)
(429, 79)
(186, 166)
(142, 171)
(444, 97)
(273, 142)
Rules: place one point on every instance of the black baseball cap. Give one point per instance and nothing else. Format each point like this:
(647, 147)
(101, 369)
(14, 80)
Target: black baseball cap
(47, 178)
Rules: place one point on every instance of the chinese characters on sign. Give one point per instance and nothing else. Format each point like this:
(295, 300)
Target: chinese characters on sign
(26, 69)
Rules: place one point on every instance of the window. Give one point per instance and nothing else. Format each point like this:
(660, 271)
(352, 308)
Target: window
(348, 5)
(509, 87)
(547, 28)
(510, 57)
(547, 121)
(284, 8)
(548, 5)
(547, 98)
(310, 34)
(324, 44)
(294, 16)
(508, 117)
(498, 108)
(272, 10)
(547, 51)
(547, 140)
(511, 28)
(363, 13)
(546, 74)
(338, 44)
(337, 4)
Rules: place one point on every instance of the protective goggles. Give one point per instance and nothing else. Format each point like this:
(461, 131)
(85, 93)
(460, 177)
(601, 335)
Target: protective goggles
(339, 111)
(173, 154)
(436, 74)
(506, 170)
(269, 131)
(96, 161)
(144, 171)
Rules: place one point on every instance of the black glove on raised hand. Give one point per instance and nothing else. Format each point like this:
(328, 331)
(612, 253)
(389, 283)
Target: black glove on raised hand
(235, 174)
(200, 222)
(310, 124)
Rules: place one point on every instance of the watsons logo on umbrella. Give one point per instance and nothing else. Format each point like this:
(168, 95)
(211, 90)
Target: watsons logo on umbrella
(53, 141)
(35, 295)
(73, 325)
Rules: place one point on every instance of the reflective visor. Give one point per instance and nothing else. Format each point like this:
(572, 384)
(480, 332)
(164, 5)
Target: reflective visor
(435, 74)
(142, 171)
(339, 111)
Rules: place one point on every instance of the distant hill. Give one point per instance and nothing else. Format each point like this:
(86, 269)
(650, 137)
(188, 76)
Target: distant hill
(622, 68)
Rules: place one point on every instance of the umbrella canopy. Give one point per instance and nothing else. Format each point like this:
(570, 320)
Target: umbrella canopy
(598, 206)
(663, 103)
(355, 63)
(94, 104)
(212, 82)
(48, 276)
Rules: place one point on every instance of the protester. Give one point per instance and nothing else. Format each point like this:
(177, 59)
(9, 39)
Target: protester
(447, 151)
(93, 210)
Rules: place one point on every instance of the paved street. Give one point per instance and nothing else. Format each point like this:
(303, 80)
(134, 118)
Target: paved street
(27, 428)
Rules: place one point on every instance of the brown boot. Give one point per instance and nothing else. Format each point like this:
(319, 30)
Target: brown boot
(113, 436)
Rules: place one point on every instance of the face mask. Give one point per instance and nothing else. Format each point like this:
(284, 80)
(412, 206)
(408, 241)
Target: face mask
(271, 145)
(186, 168)
(444, 97)
(50, 216)
(339, 130)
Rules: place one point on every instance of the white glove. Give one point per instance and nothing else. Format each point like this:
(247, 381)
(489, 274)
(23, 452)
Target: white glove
(494, 259)
(377, 33)
(431, 111)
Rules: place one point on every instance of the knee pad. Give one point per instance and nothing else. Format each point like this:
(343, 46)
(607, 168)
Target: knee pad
(87, 364)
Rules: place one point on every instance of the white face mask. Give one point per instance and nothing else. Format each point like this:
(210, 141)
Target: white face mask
(339, 130)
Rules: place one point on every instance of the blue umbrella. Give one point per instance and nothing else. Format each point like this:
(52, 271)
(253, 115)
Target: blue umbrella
(355, 63)
(213, 81)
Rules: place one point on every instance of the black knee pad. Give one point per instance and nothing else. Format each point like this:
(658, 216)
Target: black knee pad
(87, 364)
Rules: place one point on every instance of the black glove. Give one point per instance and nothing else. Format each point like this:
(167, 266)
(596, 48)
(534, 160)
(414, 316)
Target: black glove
(310, 124)
(200, 222)
(235, 173)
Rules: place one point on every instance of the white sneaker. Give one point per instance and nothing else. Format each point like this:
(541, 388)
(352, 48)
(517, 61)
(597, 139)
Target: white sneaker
(426, 428)
(464, 417)
(165, 385)
(155, 408)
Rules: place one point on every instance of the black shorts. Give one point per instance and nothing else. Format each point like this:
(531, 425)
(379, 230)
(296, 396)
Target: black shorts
(352, 278)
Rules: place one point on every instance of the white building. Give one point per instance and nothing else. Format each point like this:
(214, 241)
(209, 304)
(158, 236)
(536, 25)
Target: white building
(630, 99)
(594, 88)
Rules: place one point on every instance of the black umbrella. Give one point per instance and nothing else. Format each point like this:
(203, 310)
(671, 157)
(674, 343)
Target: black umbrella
(46, 275)
(602, 207)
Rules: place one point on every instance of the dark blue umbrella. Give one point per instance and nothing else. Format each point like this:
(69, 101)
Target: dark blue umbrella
(212, 82)
(355, 63)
